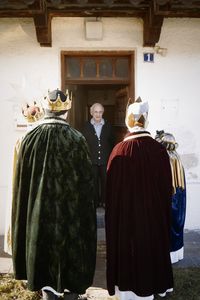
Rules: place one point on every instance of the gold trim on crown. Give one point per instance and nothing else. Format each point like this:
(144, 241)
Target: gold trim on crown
(58, 104)
(33, 113)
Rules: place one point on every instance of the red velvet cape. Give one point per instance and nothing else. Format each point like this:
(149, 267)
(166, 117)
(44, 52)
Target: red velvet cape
(138, 205)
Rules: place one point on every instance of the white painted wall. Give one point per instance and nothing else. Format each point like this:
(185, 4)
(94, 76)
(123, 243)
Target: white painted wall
(170, 84)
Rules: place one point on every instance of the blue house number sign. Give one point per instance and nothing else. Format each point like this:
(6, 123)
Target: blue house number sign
(148, 57)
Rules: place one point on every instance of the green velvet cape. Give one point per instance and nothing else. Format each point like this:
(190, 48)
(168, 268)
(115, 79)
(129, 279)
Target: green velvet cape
(53, 213)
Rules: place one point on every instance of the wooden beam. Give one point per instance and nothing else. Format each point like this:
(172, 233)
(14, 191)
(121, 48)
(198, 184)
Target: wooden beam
(179, 9)
(43, 29)
(21, 9)
(151, 28)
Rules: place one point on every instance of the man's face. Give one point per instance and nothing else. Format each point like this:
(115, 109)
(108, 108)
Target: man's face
(97, 113)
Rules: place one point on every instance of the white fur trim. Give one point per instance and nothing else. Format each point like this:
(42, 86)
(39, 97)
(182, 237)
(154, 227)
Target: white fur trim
(136, 136)
(177, 255)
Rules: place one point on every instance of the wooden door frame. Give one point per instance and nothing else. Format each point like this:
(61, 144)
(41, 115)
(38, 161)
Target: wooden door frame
(130, 83)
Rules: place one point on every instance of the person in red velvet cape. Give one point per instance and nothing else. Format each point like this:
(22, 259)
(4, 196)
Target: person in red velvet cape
(137, 214)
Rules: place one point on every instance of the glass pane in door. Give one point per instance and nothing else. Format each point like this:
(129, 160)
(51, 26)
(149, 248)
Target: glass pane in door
(73, 67)
(89, 67)
(121, 67)
(105, 67)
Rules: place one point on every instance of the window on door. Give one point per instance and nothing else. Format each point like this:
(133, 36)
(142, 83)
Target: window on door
(110, 68)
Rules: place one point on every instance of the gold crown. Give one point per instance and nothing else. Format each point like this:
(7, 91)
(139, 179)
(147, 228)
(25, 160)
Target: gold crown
(33, 113)
(57, 104)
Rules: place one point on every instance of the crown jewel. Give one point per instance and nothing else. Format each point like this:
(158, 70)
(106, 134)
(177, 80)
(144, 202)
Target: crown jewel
(33, 113)
(57, 101)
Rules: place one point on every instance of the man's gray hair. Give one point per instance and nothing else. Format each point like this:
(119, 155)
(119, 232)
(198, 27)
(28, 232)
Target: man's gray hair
(95, 104)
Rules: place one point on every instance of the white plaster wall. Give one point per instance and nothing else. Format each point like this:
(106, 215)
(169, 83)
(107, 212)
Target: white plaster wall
(169, 84)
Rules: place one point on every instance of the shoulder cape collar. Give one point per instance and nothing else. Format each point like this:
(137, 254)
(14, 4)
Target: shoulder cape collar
(54, 120)
(137, 135)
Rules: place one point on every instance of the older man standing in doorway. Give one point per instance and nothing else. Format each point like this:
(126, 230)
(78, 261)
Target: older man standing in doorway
(100, 138)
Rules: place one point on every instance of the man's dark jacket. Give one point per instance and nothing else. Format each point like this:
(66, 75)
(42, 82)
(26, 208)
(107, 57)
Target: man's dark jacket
(100, 149)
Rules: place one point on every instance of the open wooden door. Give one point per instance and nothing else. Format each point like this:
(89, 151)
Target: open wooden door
(122, 96)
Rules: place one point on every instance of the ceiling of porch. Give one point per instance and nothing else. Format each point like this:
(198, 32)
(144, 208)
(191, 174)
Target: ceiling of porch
(152, 12)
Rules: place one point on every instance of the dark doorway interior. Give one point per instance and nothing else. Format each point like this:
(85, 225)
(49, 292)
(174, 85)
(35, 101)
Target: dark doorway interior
(112, 96)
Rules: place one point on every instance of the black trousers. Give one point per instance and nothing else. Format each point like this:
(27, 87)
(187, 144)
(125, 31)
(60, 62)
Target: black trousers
(100, 184)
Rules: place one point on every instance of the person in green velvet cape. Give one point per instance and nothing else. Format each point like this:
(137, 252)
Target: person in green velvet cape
(32, 114)
(53, 212)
